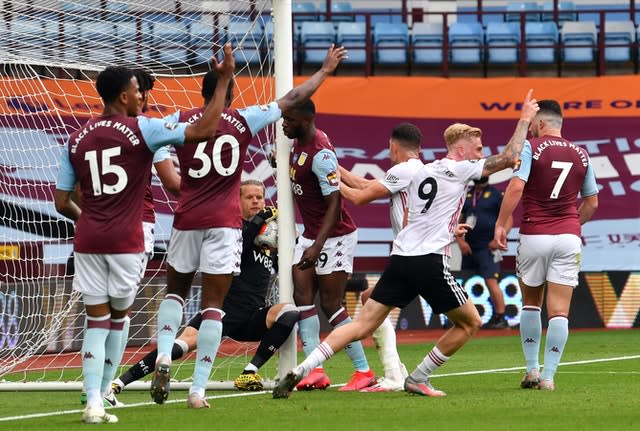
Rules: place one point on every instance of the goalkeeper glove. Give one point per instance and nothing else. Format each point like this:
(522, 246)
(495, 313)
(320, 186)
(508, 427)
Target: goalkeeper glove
(265, 216)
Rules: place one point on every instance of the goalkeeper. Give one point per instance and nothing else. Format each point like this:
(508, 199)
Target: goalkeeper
(246, 318)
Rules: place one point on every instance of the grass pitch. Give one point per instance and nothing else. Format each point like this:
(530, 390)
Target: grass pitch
(597, 388)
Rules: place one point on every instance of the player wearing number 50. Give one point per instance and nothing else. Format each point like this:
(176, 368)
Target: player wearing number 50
(110, 158)
(207, 227)
(552, 172)
(420, 255)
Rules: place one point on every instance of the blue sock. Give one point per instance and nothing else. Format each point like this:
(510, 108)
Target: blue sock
(353, 349)
(125, 332)
(208, 342)
(530, 333)
(557, 334)
(112, 354)
(169, 319)
(309, 328)
(93, 354)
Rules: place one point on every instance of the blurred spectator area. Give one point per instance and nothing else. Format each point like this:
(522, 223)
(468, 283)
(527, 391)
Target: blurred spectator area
(402, 37)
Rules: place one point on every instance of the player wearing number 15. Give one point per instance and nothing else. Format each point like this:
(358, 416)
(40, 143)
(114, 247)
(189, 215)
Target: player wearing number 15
(552, 173)
(207, 227)
(110, 158)
(420, 255)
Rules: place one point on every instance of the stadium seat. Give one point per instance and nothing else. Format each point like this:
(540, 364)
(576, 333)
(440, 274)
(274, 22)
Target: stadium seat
(515, 8)
(352, 35)
(540, 40)
(201, 42)
(100, 41)
(28, 41)
(315, 38)
(341, 7)
(80, 11)
(618, 33)
(170, 42)
(246, 39)
(390, 42)
(73, 52)
(128, 46)
(465, 42)
(566, 11)
(503, 40)
(427, 38)
(578, 39)
(304, 11)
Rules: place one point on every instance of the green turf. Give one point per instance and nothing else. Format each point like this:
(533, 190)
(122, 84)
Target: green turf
(590, 396)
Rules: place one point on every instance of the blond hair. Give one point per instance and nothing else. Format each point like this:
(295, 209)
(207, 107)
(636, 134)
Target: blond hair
(458, 131)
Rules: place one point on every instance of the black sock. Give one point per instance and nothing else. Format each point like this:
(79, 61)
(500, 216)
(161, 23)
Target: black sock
(274, 337)
(147, 365)
(248, 372)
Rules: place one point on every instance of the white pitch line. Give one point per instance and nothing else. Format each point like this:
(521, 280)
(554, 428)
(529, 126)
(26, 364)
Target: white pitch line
(247, 394)
(501, 370)
(112, 410)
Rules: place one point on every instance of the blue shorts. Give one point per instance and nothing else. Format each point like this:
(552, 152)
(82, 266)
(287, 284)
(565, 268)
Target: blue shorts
(481, 262)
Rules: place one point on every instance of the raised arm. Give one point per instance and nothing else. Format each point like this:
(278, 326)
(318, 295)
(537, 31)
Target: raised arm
(511, 152)
(305, 90)
(205, 127)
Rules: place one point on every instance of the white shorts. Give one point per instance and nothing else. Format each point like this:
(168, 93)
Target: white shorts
(554, 258)
(108, 275)
(336, 255)
(149, 240)
(212, 251)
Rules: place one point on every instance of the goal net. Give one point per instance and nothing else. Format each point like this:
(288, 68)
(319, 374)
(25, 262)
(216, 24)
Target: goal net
(50, 53)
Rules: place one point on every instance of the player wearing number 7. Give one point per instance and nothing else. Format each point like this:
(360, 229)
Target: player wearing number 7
(207, 227)
(552, 172)
(420, 255)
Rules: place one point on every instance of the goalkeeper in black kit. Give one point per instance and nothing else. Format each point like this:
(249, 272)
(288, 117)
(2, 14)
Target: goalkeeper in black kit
(247, 317)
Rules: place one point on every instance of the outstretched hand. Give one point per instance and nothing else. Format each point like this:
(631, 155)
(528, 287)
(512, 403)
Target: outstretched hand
(333, 58)
(228, 65)
(529, 107)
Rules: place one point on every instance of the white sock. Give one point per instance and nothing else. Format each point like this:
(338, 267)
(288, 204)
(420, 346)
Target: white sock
(315, 359)
(434, 360)
(385, 339)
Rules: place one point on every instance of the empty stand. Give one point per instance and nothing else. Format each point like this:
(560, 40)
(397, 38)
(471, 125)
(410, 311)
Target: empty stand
(579, 39)
(390, 42)
(514, 9)
(541, 39)
(620, 33)
(465, 42)
(427, 39)
(352, 35)
(503, 40)
(315, 38)
(246, 38)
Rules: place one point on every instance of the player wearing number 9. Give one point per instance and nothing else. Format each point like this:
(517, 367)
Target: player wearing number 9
(552, 172)
(110, 158)
(207, 227)
(420, 255)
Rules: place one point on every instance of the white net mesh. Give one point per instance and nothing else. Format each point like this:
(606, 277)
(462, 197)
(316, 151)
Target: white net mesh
(50, 52)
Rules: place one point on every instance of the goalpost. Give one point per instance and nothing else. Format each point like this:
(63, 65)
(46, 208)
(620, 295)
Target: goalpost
(50, 53)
